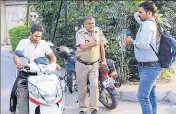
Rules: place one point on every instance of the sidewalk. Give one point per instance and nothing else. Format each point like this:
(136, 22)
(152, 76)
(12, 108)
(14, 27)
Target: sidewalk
(165, 92)
(6, 48)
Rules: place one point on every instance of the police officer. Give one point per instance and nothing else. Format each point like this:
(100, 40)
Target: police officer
(90, 48)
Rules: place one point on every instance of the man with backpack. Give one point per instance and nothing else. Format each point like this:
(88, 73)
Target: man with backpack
(149, 66)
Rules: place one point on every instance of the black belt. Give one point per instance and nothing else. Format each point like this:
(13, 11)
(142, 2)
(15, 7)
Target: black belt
(147, 63)
(85, 63)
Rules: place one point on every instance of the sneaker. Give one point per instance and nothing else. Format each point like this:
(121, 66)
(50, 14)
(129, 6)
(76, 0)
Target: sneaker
(82, 112)
(95, 112)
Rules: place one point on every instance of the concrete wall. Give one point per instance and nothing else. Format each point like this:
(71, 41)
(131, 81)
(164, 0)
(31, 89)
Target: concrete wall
(3, 24)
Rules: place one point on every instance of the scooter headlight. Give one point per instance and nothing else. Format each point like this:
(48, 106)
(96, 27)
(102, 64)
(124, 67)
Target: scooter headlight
(49, 99)
(33, 90)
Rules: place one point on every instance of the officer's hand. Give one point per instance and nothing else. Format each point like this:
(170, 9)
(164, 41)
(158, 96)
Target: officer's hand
(103, 64)
(19, 66)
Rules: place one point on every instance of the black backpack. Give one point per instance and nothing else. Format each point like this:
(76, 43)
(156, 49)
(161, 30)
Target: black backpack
(167, 48)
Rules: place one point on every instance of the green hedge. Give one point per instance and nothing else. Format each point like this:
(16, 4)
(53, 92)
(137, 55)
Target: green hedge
(167, 73)
(17, 33)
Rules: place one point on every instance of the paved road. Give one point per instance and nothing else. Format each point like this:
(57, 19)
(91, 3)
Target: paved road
(7, 79)
(124, 107)
(8, 76)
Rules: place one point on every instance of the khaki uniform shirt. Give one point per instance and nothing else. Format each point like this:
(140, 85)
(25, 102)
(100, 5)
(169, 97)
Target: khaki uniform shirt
(93, 54)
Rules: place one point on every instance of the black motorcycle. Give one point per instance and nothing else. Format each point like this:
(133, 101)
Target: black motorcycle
(107, 91)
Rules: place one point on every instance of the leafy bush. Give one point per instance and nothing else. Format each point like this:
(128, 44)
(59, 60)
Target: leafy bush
(17, 33)
(167, 73)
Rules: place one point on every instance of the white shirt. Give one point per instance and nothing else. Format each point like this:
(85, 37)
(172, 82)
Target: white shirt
(146, 35)
(31, 52)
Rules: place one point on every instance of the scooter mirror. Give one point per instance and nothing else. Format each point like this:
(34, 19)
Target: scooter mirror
(19, 53)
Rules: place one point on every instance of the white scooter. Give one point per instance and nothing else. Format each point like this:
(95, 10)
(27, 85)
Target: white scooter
(44, 90)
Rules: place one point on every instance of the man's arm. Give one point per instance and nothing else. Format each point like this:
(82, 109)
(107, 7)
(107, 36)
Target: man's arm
(82, 44)
(50, 53)
(88, 45)
(17, 62)
(53, 57)
(16, 59)
(137, 18)
(102, 51)
(103, 42)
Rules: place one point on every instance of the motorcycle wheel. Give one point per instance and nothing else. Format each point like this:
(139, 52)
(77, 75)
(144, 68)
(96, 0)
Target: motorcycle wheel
(70, 81)
(107, 98)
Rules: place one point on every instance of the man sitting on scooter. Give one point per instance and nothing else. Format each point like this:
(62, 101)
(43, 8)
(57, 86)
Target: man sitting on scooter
(33, 47)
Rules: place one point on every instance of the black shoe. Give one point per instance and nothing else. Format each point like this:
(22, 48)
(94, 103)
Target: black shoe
(82, 112)
(95, 112)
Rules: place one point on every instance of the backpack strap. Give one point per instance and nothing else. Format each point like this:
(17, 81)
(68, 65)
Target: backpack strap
(154, 50)
(160, 31)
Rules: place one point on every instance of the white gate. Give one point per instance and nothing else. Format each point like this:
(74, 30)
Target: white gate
(15, 15)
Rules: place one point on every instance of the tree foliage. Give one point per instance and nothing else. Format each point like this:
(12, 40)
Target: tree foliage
(111, 16)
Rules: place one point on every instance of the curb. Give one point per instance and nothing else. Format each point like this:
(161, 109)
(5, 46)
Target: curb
(164, 92)
(128, 96)
(171, 97)
(164, 96)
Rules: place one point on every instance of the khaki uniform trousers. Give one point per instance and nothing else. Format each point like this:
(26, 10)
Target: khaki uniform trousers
(84, 72)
